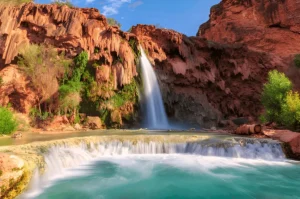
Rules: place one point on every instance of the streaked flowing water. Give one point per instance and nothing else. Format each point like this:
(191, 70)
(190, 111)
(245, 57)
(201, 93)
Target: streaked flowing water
(235, 168)
(155, 114)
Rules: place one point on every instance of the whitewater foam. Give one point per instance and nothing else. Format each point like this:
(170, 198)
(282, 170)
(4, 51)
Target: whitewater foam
(64, 161)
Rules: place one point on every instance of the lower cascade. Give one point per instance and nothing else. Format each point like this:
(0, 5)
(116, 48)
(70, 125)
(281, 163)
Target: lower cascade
(155, 115)
(63, 160)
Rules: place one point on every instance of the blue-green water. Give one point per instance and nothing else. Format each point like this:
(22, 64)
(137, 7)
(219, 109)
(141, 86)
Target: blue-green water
(177, 176)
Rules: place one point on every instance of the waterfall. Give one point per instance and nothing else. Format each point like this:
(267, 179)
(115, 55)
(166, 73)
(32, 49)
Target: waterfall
(155, 115)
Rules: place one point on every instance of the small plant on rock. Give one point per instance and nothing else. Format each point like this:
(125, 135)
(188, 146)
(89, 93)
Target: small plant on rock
(297, 60)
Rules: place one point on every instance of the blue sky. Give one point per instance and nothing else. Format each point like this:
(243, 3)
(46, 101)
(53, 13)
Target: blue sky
(184, 16)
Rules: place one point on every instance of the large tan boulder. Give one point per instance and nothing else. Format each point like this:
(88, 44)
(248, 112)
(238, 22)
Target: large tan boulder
(94, 122)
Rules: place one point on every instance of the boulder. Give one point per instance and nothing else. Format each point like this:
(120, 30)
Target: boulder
(78, 126)
(290, 139)
(94, 122)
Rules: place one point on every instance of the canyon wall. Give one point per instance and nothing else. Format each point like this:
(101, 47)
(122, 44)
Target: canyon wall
(220, 73)
(203, 81)
(215, 75)
(269, 26)
(70, 31)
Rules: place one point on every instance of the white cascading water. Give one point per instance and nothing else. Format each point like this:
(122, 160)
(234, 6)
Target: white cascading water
(155, 114)
(66, 160)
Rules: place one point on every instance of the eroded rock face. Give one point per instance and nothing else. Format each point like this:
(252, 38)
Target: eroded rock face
(203, 81)
(70, 30)
(270, 26)
(15, 90)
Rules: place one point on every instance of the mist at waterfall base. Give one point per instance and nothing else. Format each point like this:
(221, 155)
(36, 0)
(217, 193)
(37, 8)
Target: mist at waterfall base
(157, 170)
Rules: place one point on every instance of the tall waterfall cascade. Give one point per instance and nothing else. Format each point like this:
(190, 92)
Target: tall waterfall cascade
(155, 114)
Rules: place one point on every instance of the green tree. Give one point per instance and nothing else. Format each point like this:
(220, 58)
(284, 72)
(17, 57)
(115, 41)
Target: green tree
(44, 66)
(274, 95)
(8, 123)
(113, 22)
(70, 97)
(290, 114)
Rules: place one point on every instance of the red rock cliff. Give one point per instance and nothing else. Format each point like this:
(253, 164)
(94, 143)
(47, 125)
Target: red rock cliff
(70, 30)
(203, 81)
(270, 26)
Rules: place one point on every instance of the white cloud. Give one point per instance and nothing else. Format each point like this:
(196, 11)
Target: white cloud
(112, 6)
(135, 4)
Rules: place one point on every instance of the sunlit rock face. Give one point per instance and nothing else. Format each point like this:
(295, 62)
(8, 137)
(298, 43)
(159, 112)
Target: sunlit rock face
(271, 26)
(70, 30)
(203, 81)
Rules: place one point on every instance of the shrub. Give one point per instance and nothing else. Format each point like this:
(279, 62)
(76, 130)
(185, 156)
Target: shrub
(8, 123)
(14, 2)
(63, 2)
(290, 115)
(70, 102)
(297, 60)
(70, 97)
(274, 94)
(113, 22)
(44, 66)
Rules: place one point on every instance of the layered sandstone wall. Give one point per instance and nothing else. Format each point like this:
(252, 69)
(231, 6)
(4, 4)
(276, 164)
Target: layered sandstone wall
(269, 26)
(202, 81)
(218, 74)
(69, 30)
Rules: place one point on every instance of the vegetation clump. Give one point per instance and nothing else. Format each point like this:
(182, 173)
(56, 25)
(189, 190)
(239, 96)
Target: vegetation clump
(113, 22)
(70, 90)
(45, 67)
(8, 123)
(297, 60)
(63, 3)
(14, 2)
(282, 105)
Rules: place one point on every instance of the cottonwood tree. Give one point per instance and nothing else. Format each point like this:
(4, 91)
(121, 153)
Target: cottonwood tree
(44, 67)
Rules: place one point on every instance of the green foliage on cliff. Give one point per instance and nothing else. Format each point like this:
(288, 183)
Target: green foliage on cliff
(14, 2)
(8, 123)
(63, 3)
(136, 50)
(45, 67)
(70, 90)
(297, 60)
(113, 22)
(282, 105)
